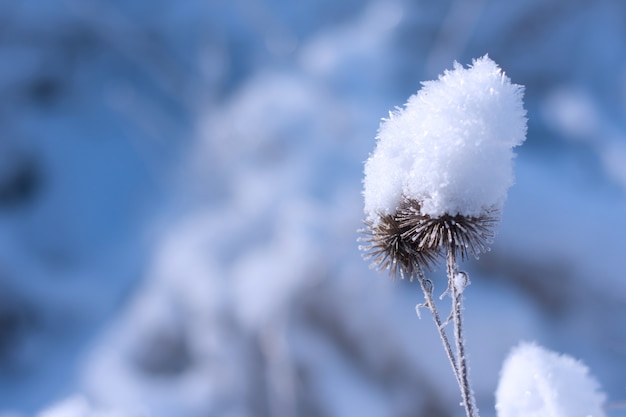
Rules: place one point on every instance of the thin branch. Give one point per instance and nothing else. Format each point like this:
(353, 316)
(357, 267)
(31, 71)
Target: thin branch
(457, 307)
(427, 289)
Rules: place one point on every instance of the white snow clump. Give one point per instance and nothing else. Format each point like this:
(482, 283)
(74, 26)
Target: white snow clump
(536, 382)
(450, 147)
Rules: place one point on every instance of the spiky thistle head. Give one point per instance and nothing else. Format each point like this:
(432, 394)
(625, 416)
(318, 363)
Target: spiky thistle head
(388, 246)
(442, 166)
(465, 235)
(408, 239)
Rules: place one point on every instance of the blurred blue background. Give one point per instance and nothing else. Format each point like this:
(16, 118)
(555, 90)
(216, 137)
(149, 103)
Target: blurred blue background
(180, 193)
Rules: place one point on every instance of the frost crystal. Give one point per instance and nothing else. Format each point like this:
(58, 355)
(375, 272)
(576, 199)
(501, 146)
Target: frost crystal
(451, 147)
(536, 382)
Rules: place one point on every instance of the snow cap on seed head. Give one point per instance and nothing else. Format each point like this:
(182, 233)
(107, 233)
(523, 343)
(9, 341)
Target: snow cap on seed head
(450, 148)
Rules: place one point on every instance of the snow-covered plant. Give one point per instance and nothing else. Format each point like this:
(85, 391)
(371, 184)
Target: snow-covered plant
(437, 180)
(536, 382)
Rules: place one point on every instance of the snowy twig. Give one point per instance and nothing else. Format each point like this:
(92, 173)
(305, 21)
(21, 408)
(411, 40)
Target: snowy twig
(456, 289)
(427, 289)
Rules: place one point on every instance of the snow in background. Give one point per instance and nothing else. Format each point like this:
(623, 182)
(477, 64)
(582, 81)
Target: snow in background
(180, 186)
(536, 382)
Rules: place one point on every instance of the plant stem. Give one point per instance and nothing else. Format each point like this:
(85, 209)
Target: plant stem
(427, 289)
(457, 307)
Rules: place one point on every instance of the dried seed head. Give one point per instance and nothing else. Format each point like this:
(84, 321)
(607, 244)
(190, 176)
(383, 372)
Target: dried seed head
(388, 246)
(402, 241)
(463, 234)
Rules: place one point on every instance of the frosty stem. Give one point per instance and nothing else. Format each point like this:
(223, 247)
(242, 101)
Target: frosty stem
(456, 290)
(427, 289)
